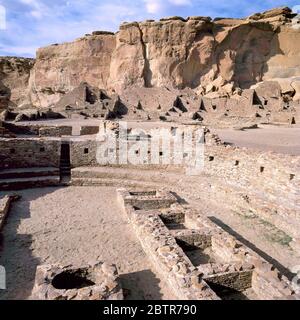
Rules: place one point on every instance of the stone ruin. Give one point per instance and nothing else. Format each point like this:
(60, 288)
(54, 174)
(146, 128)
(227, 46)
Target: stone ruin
(40, 146)
(5, 204)
(96, 281)
(83, 102)
(197, 258)
(263, 104)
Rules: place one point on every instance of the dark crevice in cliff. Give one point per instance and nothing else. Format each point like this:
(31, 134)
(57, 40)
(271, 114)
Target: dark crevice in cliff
(147, 73)
(214, 59)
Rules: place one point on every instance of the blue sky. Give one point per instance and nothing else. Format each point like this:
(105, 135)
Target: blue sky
(34, 23)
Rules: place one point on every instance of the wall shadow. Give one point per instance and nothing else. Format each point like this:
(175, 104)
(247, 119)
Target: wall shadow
(178, 198)
(141, 285)
(282, 269)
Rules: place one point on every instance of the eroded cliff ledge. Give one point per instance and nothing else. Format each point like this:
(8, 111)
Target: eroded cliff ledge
(210, 57)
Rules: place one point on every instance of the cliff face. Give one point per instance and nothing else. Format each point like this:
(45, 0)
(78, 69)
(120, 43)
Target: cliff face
(61, 68)
(210, 57)
(14, 77)
(205, 55)
(191, 53)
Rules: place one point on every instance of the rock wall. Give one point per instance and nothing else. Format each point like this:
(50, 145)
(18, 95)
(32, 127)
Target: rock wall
(191, 53)
(14, 77)
(61, 68)
(210, 57)
(195, 53)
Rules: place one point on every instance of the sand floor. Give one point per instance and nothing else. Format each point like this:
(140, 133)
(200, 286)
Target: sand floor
(266, 138)
(74, 225)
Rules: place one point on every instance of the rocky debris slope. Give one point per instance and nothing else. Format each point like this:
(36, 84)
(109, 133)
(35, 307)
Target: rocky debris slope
(83, 101)
(90, 102)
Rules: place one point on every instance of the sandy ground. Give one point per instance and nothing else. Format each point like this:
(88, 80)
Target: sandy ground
(265, 138)
(74, 225)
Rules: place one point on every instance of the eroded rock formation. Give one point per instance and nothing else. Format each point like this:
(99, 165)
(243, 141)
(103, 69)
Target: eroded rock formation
(14, 77)
(214, 59)
(61, 68)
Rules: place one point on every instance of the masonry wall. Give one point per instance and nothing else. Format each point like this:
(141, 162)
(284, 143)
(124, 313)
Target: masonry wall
(83, 153)
(41, 130)
(271, 181)
(87, 130)
(21, 153)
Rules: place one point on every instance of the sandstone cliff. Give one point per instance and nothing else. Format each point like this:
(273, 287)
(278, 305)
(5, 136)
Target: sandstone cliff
(14, 77)
(61, 68)
(210, 57)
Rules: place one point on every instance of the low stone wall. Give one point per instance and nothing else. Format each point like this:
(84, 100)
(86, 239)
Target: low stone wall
(56, 131)
(239, 280)
(97, 281)
(5, 203)
(22, 153)
(166, 255)
(39, 130)
(196, 239)
(89, 130)
(17, 129)
(149, 200)
(236, 266)
(251, 168)
(233, 251)
(271, 182)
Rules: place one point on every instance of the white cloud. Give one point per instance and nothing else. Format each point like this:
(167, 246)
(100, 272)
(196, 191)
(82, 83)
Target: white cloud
(38, 8)
(180, 2)
(36, 14)
(158, 6)
(154, 6)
